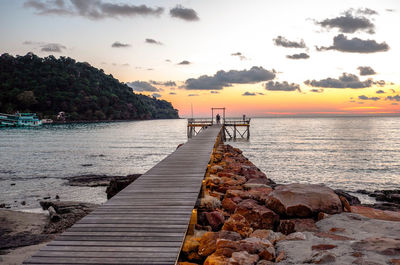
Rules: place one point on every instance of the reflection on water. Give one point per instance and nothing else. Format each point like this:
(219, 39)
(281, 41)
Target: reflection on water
(36, 160)
(348, 153)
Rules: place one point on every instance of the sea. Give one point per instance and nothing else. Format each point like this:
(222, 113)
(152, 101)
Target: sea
(349, 153)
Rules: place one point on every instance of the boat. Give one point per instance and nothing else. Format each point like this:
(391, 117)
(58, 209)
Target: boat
(20, 120)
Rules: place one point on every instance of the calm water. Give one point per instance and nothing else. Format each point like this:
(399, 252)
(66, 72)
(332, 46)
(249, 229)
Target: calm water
(348, 153)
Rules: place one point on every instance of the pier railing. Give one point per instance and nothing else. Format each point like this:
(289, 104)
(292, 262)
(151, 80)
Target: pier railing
(231, 127)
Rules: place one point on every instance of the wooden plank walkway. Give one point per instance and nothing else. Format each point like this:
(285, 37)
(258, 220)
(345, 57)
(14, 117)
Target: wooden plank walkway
(145, 223)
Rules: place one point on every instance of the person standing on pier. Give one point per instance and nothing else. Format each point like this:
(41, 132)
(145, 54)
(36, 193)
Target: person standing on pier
(218, 117)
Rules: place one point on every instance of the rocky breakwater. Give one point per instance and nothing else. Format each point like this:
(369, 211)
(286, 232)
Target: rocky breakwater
(245, 218)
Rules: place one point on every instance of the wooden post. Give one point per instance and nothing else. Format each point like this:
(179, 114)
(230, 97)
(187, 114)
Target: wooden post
(248, 132)
(234, 131)
(193, 222)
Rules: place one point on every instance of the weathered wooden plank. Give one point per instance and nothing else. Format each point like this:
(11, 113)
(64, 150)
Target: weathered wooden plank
(113, 260)
(98, 243)
(111, 249)
(121, 238)
(103, 254)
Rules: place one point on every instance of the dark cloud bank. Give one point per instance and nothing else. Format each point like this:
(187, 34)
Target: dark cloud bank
(181, 12)
(91, 9)
(298, 56)
(281, 86)
(344, 81)
(141, 86)
(282, 41)
(348, 23)
(185, 62)
(225, 79)
(153, 41)
(366, 70)
(355, 45)
(118, 44)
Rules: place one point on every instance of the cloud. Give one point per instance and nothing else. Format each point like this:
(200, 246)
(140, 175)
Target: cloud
(91, 9)
(344, 81)
(141, 86)
(240, 55)
(348, 23)
(156, 95)
(298, 56)
(225, 79)
(393, 98)
(260, 93)
(184, 63)
(366, 70)
(355, 45)
(166, 83)
(282, 41)
(247, 93)
(172, 93)
(380, 91)
(390, 10)
(118, 44)
(366, 11)
(181, 12)
(379, 83)
(363, 97)
(320, 90)
(214, 92)
(152, 41)
(52, 47)
(284, 86)
(193, 95)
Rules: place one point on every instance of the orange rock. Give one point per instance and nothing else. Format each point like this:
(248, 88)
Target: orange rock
(208, 242)
(395, 261)
(345, 204)
(337, 229)
(243, 258)
(239, 224)
(229, 205)
(280, 257)
(259, 217)
(215, 259)
(376, 214)
(187, 263)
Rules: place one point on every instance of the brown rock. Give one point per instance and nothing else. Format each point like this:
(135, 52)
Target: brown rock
(280, 257)
(267, 253)
(269, 235)
(296, 236)
(395, 261)
(216, 260)
(226, 247)
(186, 263)
(382, 245)
(303, 200)
(332, 236)
(265, 262)
(243, 258)
(208, 242)
(323, 247)
(259, 217)
(376, 214)
(239, 224)
(322, 215)
(297, 225)
(215, 219)
(322, 258)
(336, 230)
(345, 204)
(191, 244)
(229, 205)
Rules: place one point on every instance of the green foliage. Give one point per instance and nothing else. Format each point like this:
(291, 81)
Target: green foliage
(49, 85)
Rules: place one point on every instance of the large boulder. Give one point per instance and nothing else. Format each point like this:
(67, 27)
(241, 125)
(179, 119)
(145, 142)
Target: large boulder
(243, 258)
(215, 219)
(376, 213)
(303, 200)
(259, 217)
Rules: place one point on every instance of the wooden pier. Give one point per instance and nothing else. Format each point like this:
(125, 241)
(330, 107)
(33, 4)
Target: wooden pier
(232, 128)
(145, 223)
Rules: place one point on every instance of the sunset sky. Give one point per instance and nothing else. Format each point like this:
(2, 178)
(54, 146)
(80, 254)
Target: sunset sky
(258, 57)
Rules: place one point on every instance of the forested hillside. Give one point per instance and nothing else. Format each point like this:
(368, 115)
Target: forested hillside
(49, 85)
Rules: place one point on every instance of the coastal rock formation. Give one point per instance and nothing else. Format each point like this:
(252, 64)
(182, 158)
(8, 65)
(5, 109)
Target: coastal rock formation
(303, 200)
(65, 214)
(255, 221)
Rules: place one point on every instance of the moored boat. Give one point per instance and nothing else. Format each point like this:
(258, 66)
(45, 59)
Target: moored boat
(20, 120)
